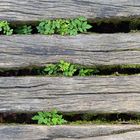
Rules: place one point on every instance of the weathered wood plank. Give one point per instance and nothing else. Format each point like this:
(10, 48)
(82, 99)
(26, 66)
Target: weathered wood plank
(78, 94)
(126, 136)
(94, 49)
(41, 9)
(28, 132)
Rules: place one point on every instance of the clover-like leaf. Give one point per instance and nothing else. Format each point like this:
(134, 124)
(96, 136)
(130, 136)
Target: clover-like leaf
(49, 118)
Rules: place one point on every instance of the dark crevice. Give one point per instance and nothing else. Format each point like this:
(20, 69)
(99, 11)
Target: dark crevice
(115, 25)
(115, 70)
(122, 118)
(103, 25)
(110, 27)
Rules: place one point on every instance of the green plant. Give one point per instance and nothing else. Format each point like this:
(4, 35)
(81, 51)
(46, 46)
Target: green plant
(49, 118)
(51, 69)
(5, 28)
(87, 72)
(24, 30)
(67, 68)
(78, 25)
(46, 27)
(62, 67)
(64, 26)
(134, 24)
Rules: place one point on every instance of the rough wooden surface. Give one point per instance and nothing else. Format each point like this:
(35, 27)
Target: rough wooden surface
(34, 132)
(77, 94)
(126, 136)
(41, 9)
(94, 49)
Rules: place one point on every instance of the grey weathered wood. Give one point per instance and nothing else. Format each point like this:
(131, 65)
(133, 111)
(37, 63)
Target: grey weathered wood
(32, 10)
(34, 132)
(93, 49)
(78, 94)
(125, 136)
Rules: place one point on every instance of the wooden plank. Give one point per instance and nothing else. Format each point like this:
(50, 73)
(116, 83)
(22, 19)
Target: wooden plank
(28, 132)
(78, 94)
(125, 136)
(36, 10)
(93, 49)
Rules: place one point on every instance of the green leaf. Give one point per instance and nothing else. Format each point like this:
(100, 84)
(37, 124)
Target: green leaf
(41, 120)
(78, 22)
(63, 26)
(5, 28)
(73, 23)
(54, 121)
(23, 30)
(88, 26)
(49, 118)
(81, 30)
(82, 18)
(41, 114)
(35, 118)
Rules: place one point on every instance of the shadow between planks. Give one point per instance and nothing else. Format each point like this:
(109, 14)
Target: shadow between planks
(85, 49)
(104, 94)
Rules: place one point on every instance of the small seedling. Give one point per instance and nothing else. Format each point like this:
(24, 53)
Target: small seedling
(5, 28)
(87, 72)
(62, 68)
(24, 30)
(49, 118)
(51, 69)
(64, 26)
(67, 69)
(46, 27)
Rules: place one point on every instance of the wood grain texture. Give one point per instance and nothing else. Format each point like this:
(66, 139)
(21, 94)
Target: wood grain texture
(89, 49)
(32, 10)
(78, 94)
(126, 136)
(34, 132)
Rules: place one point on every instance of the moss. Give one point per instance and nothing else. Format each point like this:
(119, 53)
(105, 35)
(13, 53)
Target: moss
(135, 24)
(100, 119)
(101, 122)
(98, 122)
(135, 66)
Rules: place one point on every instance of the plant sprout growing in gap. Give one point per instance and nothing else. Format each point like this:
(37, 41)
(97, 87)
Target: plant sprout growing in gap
(24, 30)
(67, 69)
(5, 28)
(64, 26)
(49, 27)
(49, 118)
